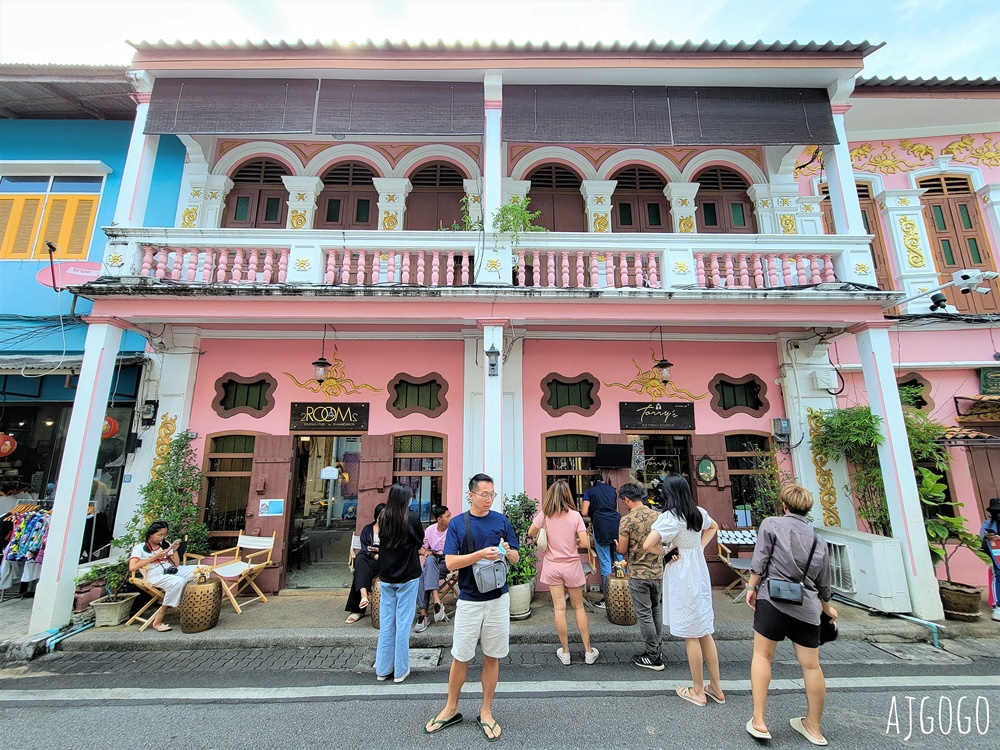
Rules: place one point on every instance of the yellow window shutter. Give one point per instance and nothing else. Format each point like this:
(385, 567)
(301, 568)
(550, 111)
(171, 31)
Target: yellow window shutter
(19, 217)
(69, 222)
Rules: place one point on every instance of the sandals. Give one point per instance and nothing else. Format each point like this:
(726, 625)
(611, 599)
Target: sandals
(799, 727)
(363, 604)
(756, 733)
(714, 697)
(440, 724)
(352, 618)
(161, 628)
(685, 693)
(488, 727)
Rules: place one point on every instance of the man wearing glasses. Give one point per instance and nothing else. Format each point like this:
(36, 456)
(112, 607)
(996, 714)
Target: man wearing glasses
(479, 617)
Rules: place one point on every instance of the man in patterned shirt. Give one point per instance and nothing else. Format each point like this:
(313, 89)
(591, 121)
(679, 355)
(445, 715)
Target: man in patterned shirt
(645, 574)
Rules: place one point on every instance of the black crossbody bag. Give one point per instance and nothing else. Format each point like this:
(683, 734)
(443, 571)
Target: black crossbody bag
(790, 592)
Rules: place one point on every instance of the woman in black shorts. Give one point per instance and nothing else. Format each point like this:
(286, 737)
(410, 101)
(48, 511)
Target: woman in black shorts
(786, 547)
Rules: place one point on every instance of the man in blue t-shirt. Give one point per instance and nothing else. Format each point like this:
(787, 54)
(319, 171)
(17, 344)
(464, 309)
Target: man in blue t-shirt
(479, 617)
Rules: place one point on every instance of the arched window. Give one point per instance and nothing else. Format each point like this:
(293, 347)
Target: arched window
(555, 191)
(955, 230)
(349, 199)
(723, 204)
(639, 203)
(258, 198)
(436, 199)
(869, 215)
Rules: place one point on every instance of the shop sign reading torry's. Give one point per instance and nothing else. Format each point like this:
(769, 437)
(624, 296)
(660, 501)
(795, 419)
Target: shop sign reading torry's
(669, 415)
(324, 416)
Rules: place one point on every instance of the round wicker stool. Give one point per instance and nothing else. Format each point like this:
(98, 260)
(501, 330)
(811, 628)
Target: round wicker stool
(618, 599)
(200, 605)
(374, 595)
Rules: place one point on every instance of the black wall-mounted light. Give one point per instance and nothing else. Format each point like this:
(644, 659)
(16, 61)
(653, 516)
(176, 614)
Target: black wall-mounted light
(321, 365)
(49, 420)
(493, 356)
(662, 367)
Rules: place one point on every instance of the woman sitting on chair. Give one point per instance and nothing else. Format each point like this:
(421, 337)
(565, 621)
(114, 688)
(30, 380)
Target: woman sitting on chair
(160, 563)
(366, 568)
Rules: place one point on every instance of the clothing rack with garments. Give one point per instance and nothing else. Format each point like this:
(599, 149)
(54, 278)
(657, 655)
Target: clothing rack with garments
(24, 532)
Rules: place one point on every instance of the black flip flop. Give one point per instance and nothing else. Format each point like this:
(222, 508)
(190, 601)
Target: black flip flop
(443, 724)
(484, 725)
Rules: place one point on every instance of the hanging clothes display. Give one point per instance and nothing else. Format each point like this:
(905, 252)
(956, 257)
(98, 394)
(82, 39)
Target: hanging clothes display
(24, 551)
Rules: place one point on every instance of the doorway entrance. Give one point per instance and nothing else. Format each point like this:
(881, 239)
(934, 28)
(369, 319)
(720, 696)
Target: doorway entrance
(662, 455)
(324, 511)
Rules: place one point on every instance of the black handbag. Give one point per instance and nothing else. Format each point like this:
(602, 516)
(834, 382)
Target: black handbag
(827, 629)
(790, 592)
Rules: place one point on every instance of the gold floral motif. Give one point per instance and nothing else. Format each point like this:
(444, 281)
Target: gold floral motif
(213, 195)
(887, 161)
(648, 382)
(911, 241)
(493, 264)
(515, 199)
(599, 200)
(787, 222)
(922, 289)
(686, 224)
(601, 222)
(602, 258)
(116, 260)
(684, 202)
(335, 382)
(988, 153)
(765, 203)
(298, 219)
(384, 257)
(904, 201)
(300, 196)
(168, 426)
(784, 201)
(862, 268)
(824, 477)
(189, 218)
(302, 264)
(390, 198)
(681, 268)
(475, 199)
(808, 207)
(389, 221)
(196, 193)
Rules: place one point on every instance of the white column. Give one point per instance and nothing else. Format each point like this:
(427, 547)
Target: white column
(989, 195)
(493, 443)
(805, 387)
(514, 190)
(810, 214)
(905, 513)
(54, 595)
(844, 203)
(763, 208)
(493, 170)
(302, 195)
(205, 200)
(597, 197)
(908, 241)
(474, 200)
(392, 192)
(133, 193)
(681, 196)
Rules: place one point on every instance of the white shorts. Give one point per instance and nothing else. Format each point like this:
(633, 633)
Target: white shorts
(485, 622)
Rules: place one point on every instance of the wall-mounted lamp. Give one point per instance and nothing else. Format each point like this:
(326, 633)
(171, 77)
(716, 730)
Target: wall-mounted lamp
(662, 367)
(493, 356)
(322, 365)
(49, 421)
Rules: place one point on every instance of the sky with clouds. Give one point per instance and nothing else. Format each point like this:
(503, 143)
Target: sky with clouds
(924, 38)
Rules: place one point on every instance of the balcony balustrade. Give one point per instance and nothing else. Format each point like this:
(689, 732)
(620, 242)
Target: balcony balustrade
(550, 260)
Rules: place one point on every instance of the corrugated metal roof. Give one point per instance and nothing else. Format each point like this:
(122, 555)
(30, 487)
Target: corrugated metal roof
(510, 47)
(927, 83)
(65, 92)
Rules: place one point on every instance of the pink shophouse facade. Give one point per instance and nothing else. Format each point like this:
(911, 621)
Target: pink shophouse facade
(685, 221)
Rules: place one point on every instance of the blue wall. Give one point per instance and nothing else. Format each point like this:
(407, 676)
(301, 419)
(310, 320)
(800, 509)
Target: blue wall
(164, 192)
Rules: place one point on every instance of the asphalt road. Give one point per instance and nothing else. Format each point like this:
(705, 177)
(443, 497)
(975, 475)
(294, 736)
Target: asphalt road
(906, 695)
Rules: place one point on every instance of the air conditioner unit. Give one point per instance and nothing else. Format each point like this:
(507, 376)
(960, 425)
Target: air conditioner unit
(867, 568)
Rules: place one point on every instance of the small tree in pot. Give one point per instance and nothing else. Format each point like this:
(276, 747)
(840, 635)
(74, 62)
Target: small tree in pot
(520, 510)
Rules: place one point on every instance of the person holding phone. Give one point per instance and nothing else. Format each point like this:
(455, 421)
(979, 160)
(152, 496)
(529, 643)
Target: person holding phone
(160, 562)
(366, 569)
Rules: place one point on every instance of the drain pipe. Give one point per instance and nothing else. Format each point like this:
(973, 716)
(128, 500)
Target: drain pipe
(50, 644)
(934, 627)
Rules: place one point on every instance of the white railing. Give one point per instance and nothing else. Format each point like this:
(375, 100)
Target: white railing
(555, 260)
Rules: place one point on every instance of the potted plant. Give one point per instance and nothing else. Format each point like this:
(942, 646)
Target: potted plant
(520, 510)
(114, 608)
(946, 534)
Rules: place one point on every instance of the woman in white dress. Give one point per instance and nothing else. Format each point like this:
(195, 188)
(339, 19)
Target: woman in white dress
(155, 557)
(681, 532)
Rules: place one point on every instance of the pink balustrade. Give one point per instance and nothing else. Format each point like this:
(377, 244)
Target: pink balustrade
(208, 265)
(762, 270)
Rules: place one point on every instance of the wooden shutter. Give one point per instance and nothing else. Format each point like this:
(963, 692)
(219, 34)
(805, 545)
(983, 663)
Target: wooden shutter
(271, 478)
(19, 218)
(716, 497)
(985, 465)
(68, 221)
(374, 476)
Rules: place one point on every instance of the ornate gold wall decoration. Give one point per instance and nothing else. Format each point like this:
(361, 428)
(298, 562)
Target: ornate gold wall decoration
(904, 201)
(887, 161)
(336, 382)
(686, 224)
(680, 156)
(919, 150)
(395, 151)
(911, 241)
(599, 200)
(808, 207)
(602, 258)
(683, 202)
(390, 198)
(784, 201)
(957, 147)
(298, 219)
(475, 199)
(384, 257)
(196, 193)
(116, 260)
(164, 434)
(300, 196)
(764, 203)
(302, 264)
(307, 150)
(647, 381)
(988, 153)
(213, 195)
(596, 154)
(787, 222)
(493, 264)
(189, 218)
(824, 477)
(601, 222)
(389, 221)
(862, 268)
(809, 164)
(681, 268)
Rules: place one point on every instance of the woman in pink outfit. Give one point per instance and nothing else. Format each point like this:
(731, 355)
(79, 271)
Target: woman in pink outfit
(562, 570)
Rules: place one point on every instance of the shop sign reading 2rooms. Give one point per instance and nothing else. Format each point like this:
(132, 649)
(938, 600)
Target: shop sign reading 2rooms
(677, 416)
(322, 417)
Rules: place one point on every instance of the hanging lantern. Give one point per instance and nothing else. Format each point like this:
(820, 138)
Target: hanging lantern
(110, 428)
(7, 445)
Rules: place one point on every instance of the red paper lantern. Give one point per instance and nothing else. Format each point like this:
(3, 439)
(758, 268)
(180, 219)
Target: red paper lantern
(110, 428)
(7, 445)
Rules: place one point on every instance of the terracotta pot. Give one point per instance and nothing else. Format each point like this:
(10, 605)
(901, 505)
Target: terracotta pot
(960, 602)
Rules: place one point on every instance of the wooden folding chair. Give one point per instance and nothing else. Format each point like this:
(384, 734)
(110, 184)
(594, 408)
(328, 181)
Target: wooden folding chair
(249, 558)
(138, 579)
(739, 565)
(589, 566)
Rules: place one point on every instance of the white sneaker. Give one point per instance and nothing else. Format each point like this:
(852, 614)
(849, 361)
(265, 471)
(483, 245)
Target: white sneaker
(996, 614)
(439, 614)
(591, 656)
(564, 656)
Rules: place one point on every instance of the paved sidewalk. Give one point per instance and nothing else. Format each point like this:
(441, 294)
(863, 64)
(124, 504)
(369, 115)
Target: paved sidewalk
(316, 619)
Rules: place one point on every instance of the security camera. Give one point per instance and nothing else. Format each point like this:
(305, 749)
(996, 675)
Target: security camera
(969, 279)
(938, 302)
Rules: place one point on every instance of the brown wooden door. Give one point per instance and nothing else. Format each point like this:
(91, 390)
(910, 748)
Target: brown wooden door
(374, 476)
(715, 497)
(869, 214)
(985, 465)
(954, 228)
(271, 479)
